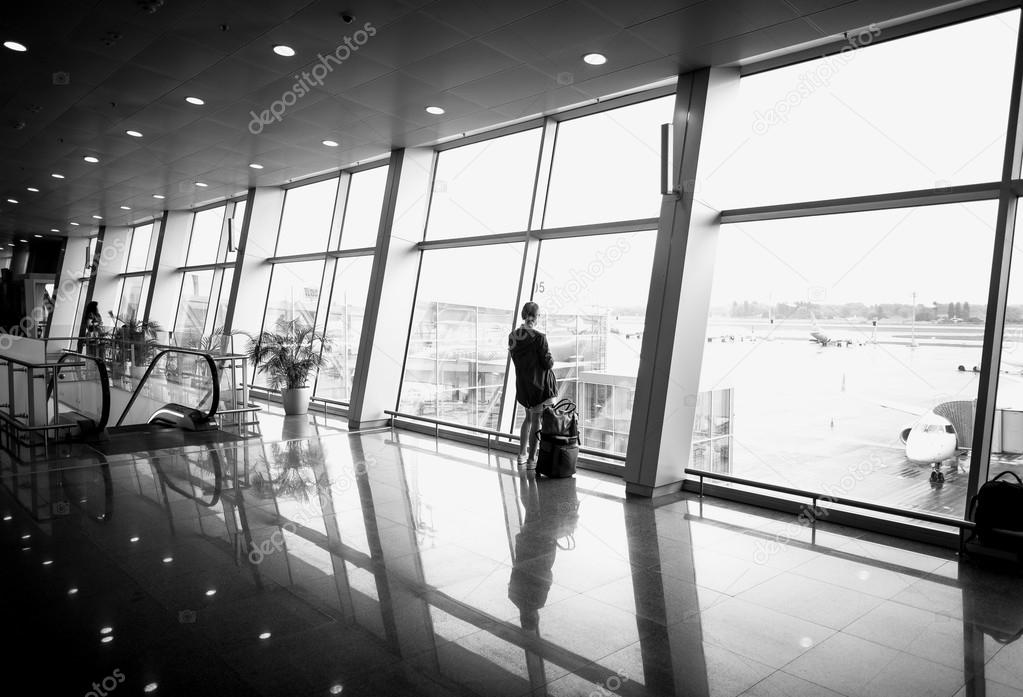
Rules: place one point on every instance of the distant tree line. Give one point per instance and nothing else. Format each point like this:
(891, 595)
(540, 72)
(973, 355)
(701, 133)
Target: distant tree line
(952, 311)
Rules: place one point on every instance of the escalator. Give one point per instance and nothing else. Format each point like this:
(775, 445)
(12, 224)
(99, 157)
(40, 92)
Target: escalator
(82, 399)
(172, 403)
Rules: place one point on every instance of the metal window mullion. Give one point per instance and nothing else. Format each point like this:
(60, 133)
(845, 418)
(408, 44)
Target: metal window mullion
(994, 327)
(987, 191)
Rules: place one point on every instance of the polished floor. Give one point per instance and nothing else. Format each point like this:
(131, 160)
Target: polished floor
(392, 564)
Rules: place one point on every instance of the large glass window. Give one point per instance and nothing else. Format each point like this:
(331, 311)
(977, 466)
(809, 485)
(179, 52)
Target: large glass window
(305, 223)
(362, 212)
(294, 293)
(192, 308)
(879, 119)
(207, 229)
(484, 188)
(844, 346)
(458, 347)
(134, 291)
(139, 251)
(607, 166)
(344, 327)
(592, 293)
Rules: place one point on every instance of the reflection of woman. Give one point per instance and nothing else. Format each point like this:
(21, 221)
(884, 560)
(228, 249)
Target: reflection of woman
(552, 511)
(535, 384)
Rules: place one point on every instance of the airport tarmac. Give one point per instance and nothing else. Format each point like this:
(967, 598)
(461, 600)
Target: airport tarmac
(829, 418)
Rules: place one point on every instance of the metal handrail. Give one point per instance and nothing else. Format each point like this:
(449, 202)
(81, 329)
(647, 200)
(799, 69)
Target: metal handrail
(152, 364)
(841, 500)
(104, 380)
(497, 434)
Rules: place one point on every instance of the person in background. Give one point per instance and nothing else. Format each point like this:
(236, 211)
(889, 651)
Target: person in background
(93, 327)
(535, 384)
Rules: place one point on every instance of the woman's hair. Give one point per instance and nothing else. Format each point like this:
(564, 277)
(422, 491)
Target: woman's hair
(530, 309)
(92, 307)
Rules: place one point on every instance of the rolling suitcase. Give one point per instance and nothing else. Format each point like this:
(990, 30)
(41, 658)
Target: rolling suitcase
(558, 455)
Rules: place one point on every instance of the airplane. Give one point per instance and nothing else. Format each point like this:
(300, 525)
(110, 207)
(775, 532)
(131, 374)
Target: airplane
(818, 335)
(930, 440)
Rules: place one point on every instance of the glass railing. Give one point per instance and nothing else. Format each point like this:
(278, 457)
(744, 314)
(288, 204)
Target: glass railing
(178, 387)
(78, 393)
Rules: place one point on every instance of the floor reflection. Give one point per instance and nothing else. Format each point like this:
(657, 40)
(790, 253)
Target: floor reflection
(394, 563)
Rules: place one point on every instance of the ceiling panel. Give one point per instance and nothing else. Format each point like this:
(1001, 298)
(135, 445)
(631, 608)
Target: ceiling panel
(466, 62)
(488, 62)
(410, 38)
(475, 18)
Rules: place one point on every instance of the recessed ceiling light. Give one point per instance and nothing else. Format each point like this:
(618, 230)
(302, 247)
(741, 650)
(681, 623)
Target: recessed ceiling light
(282, 50)
(195, 100)
(90, 159)
(57, 176)
(15, 46)
(107, 639)
(98, 217)
(125, 208)
(160, 196)
(595, 58)
(106, 630)
(330, 143)
(53, 229)
(202, 184)
(133, 134)
(72, 591)
(255, 165)
(23, 241)
(12, 200)
(11, 244)
(75, 224)
(211, 592)
(435, 110)
(32, 189)
(151, 687)
(41, 235)
(265, 635)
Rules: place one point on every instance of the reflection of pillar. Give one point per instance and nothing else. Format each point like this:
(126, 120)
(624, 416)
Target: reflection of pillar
(671, 636)
(398, 567)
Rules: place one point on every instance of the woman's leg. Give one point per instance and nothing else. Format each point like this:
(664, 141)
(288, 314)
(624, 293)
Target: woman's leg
(524, 436)
(534, 437)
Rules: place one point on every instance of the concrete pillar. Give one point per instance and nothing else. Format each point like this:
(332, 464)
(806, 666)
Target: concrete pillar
(251, 281)
(177, 226)
(392, 288)
(660, 435)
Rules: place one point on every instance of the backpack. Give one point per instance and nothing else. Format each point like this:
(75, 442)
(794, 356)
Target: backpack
(996, 508)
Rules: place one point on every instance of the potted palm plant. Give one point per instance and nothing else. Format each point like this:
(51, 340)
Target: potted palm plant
(287, 356)
(135, 341)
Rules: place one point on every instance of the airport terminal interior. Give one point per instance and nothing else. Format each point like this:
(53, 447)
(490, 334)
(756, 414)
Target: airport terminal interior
(259, 425)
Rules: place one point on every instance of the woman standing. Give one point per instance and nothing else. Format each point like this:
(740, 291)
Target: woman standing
(535, 384)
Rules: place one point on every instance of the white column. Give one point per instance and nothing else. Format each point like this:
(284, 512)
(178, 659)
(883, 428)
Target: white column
(70, 287)
(392, 288)
(113, 257)
(177, 226)
(660, 435)
(251, 281)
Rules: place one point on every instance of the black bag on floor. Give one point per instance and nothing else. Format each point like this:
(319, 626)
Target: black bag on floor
(997, 509)
(558, 455)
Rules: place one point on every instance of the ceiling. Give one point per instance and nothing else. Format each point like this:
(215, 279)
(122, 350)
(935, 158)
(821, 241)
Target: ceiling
(129, 64)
